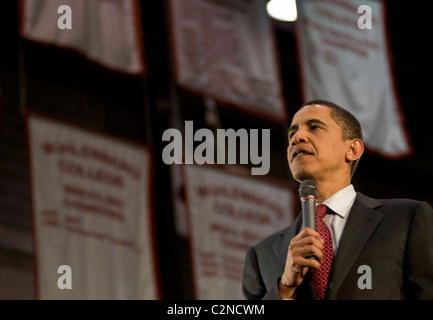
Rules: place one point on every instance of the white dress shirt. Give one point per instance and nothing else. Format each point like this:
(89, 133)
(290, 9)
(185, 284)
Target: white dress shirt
(340, 202)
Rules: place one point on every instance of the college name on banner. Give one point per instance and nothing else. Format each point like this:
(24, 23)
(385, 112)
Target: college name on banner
(92, 214)
(229, 213)
(346, 62)
(225, 50)
(105, 31)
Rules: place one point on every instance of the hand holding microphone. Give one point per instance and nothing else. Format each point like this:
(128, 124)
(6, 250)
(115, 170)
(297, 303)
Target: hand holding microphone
(306, 248)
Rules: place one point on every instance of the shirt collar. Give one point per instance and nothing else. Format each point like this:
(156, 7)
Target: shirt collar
(341, 202)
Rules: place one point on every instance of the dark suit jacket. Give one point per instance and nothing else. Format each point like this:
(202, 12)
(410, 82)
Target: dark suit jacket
(393, 237)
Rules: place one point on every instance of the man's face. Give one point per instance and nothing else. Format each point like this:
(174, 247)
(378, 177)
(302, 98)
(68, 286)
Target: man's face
(316, 149)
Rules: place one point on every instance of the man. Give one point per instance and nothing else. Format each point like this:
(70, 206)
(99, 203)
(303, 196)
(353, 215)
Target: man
(373, 249)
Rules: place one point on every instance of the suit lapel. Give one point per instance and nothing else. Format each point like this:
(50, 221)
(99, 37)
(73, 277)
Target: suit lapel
(360, 225)
(282, 244)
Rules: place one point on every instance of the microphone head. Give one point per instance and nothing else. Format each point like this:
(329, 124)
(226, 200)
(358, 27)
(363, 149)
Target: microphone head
(307, 188)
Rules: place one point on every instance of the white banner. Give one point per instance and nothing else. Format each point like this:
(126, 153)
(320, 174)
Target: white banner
(225, 50)
(345, 62)
(92, 213)
(229, 213)
(105, 31)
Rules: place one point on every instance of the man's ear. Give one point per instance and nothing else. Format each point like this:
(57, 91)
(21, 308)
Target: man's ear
(355, 151)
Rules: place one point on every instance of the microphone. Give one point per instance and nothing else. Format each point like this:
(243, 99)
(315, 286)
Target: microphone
(308, 197)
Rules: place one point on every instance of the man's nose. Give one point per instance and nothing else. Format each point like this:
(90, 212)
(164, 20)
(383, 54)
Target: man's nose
(300, 136)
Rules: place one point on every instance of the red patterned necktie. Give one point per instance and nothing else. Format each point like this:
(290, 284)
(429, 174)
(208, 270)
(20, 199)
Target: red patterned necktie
(320, 277)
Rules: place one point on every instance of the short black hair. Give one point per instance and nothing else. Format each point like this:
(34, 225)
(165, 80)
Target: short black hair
(350, 126)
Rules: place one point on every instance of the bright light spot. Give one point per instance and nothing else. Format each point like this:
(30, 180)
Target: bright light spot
(284, 10)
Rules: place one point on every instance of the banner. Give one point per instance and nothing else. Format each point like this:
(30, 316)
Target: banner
(344, 56)
(107, 32)
(225, 50)
(229, 213)
(91, 213)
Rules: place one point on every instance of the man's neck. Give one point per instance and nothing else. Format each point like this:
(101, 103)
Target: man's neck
(328, 188)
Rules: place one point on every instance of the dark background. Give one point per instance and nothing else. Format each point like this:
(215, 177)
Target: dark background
(67, 86)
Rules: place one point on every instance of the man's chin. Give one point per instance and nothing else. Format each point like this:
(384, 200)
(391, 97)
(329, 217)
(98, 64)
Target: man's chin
(302, 175)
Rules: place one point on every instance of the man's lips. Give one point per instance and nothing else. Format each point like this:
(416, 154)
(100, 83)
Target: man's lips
(300, 152)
